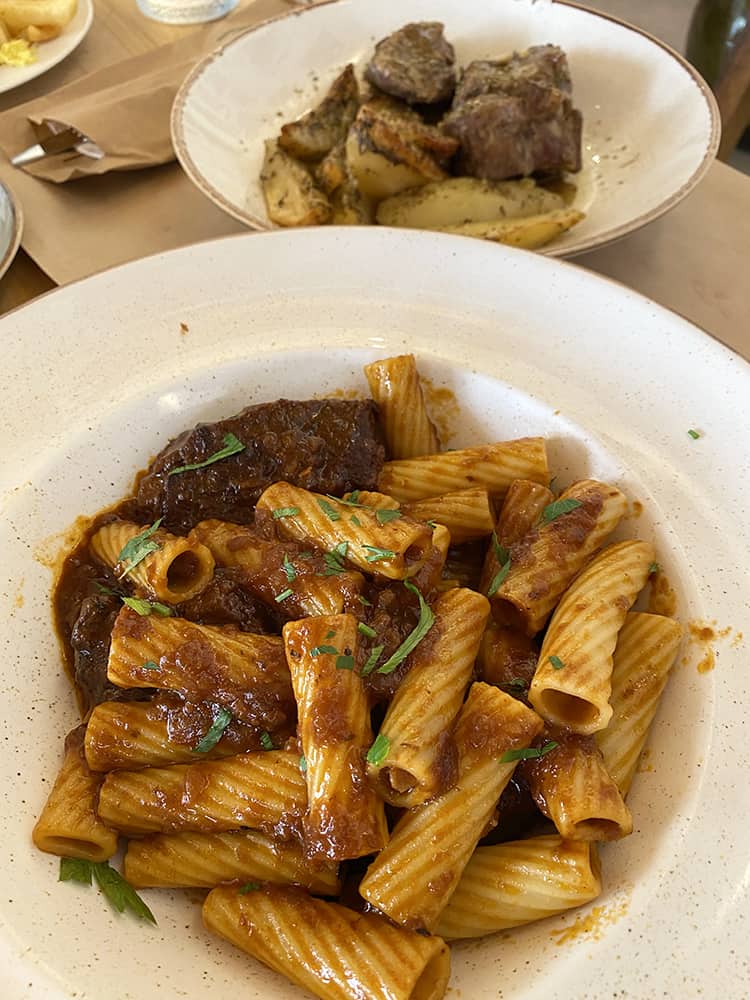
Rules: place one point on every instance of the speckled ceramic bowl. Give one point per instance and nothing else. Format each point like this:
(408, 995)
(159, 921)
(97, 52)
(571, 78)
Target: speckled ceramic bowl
(527, 346)
(651, 126)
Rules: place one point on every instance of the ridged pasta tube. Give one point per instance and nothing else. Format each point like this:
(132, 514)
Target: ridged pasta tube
(572, 787)
(173, 572)
(69, 825)
(492, 467)
(273, 568)
(395, 549)
(467, 514)
(245, 673)
(123, 735)
(414, 876)
(645, 651)
(345, 818)
(523, 506)
(572, 683)
(328, 949)
(264, 791)
(207, 859)
(511, 884)
(545, 559)
(421, 761)
(396, 388)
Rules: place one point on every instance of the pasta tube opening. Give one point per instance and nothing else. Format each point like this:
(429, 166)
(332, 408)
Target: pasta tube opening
(561, 705)
(433, 982)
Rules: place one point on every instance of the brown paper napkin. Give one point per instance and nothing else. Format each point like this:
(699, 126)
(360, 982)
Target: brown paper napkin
(125, 108)
(74, 230)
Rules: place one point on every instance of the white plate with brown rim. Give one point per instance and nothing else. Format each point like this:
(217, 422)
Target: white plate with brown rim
(651, 125)
(615, 386)
(49, 54)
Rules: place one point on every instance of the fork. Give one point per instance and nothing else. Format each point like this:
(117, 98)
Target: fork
(60, 137)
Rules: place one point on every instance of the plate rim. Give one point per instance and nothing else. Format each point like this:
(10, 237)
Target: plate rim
(75, 39)
(257, 224)
(17, 235)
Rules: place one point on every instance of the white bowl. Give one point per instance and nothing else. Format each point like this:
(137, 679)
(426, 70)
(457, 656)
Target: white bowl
(11, 228)
(200, 332)
(651, 125)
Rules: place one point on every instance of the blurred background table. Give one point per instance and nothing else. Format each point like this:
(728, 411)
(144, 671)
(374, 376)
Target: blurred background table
(691, 260)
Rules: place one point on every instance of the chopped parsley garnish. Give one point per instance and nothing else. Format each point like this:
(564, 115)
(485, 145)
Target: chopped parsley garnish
(330, 512)
(363, 601)
(265, 741)
(150, 665)
(283, 595)
(558, 507)
(101, 589)
(694, 434)
(366, 630)
(248, 887)
(305, 555)
(532, 753)
(303, 764)
(144, 608)
(372, 660)
(518, 684)
(291, 572)
(345, 662)
(384, 516)
(352, 500)
(378, 554)
(136, 550)
(221, 720)
(379, 750)
(116, 890)
(503, 558)
(556, 662)
(320, 650)
(355, 521)
(232, 446)
(423, 626)
(284, 512)
(332, 559)
(330, 634)
(654, 567)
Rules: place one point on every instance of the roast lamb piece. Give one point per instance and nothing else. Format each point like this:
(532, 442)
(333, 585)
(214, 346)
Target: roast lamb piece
(415, 63)
(324, 445)
(515, 117)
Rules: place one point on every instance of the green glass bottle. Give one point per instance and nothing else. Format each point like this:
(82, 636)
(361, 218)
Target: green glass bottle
(714, 29)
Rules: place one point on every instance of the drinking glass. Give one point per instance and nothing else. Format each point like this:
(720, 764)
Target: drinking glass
(185, 11)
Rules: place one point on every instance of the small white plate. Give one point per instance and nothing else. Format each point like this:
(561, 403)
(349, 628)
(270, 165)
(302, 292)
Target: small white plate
(50, 53)
(529, 346)
(11, 228)
(651, 126)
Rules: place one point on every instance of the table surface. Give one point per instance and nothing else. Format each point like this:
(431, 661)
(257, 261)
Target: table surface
(690, 260)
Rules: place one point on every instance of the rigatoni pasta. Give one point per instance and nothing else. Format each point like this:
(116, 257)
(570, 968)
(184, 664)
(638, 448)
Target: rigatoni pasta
(396, 388)
(467, 514)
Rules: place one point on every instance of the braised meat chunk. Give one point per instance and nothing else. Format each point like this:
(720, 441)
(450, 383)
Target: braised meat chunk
(515, 117)
(415, 63)
(325, 445)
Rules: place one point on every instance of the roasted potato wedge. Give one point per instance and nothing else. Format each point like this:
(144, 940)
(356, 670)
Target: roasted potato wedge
(384, 162)
(351, 207)
(292, 199)
(331, 172)
(530, 233)
(412, 129)
(19, 14)
(462, 200)
(313, 135)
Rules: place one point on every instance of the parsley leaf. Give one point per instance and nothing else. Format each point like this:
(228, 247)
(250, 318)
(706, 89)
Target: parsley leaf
(144, 608)
(694, 434)
(345, 662)
(355, 521)
(136, 550)
(303, 764)
(266, 742)
(558, 507)
(319, 650)
(332, 559)
(532, 753)
(366, 630)
(330, 512)
(372, 660)
(517, 684)
(330, 633)
(232, 446)
(384, 516)
(116, 890)
(556, 662)
(654, 567)
(378, 554)
(290, 571)
(101, 589)
(379, 750)
(283, 595)
(221, 720)
(502, 555)
(363, 601)
(352, 500)
(150, 665)
(284, 512)
(423, 626)
(248, 887)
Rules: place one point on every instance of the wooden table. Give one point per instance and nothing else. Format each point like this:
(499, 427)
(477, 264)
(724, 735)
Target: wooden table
(691, 260)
